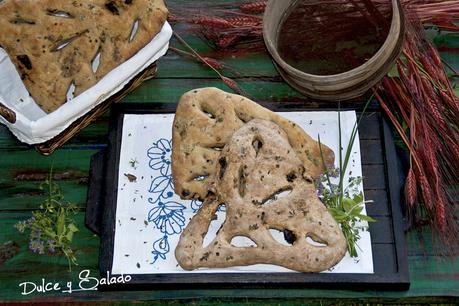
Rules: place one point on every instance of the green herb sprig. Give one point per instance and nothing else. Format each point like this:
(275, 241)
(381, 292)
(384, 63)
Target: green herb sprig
(52, 227)
(345, 203)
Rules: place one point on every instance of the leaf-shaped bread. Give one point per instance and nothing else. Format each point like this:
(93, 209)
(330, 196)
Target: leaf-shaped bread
(55, 43)
(204, 122)
(255, 166)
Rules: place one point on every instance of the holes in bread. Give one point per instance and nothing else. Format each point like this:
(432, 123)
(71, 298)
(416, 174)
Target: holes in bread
(71, 92)
(242, 242)
(215, 225)
(281, 236)
(291, 177)
(289, 236)
(217, 147)
(279, 194)
(315, 241)
(25, 61)
(214, 146)
(200, 178)
(96, 61)
(58, 13)
(223, 164)
(242, 182)
(257, 144)
(61, 45)
(65, 42)
(111, 6)
(134, 30)
(20, 20)
(209, 113)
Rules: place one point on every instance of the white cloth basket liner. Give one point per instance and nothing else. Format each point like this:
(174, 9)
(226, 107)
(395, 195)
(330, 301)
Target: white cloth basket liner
(34, 126)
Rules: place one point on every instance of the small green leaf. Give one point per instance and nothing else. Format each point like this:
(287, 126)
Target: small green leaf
(336, 212)
(366, 218)
(348, 204)
(357, 210)
(60, 224)
(358, 198)
(69, 235)
(71, 227)
(393, 72)
(50, 234)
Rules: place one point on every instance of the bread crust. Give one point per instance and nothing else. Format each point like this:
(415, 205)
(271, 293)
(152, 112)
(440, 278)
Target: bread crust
(53, 42)
(248, 175)
(205, 121)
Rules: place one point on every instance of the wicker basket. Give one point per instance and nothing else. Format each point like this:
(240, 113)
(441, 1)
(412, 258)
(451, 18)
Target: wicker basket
(51, 145)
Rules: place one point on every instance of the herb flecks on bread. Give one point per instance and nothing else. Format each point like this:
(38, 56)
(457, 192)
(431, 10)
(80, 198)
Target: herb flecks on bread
(256, 165)
(205, 121)
(54, 43)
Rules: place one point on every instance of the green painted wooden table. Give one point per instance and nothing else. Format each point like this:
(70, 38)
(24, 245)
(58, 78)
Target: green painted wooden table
(433, 278)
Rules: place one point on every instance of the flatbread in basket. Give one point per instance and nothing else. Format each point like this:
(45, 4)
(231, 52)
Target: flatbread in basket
(61, 46)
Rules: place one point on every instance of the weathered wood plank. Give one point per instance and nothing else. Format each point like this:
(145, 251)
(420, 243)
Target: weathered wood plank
(374, 177)
(170, 90)
(368, 130)
(379, 207)
(432, 275)
(92, 136)
(23, 171)
(381, 231)
(371, 152)
(26, 195)
(250, 65)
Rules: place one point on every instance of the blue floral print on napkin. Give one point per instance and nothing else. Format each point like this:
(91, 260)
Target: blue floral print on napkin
(166, 214)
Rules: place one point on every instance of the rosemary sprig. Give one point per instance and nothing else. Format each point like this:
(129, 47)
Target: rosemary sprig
(52, 227)
(345, 203)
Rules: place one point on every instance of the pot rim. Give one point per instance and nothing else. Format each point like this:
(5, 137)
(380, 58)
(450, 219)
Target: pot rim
(374, 63)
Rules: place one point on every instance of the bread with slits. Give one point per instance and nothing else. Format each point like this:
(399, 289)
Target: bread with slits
(255, 167)
(54, 43)
(205, 121)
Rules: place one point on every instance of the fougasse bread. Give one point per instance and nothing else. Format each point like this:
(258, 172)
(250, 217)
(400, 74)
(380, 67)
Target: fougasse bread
(54, 43)
(257, 164)
(205, 121)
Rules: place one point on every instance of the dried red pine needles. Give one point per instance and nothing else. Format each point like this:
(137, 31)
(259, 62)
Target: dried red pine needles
(422, 106)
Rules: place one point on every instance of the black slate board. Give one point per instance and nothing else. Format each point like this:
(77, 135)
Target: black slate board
(382, 184)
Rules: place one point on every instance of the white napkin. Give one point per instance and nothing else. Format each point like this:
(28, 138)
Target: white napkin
(150, 216)
(34, 126)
